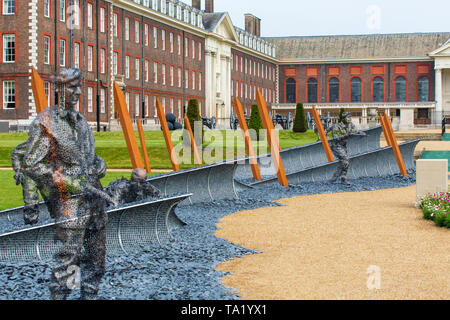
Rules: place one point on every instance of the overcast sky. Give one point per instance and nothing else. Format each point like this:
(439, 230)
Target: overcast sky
(324, 17)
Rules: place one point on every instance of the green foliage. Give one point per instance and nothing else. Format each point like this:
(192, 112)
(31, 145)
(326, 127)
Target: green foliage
(255, 123)
(436, 207)
(342, 118)
(193, 114)
(300, 124)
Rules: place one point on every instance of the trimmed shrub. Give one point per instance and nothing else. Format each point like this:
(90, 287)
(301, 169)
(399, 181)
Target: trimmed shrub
(193, 114)
(255, 123)
(342, 118)
(300, 124)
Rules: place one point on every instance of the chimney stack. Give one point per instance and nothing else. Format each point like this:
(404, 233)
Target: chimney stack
(253, 24)
(209, 6)
(197, 4)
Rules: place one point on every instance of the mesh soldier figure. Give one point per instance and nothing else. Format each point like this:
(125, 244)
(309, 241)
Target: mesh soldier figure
(340, 132)
(29, 187)
(60, 158)
(137, 189)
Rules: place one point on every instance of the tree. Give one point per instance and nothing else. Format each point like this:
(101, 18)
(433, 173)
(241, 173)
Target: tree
(300, 124)
(255, 122)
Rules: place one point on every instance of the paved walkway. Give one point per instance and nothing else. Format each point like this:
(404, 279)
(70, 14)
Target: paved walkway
(322, 246)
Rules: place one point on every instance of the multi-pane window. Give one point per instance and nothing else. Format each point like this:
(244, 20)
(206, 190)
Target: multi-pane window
(312, 90)
(102, 100)
(137, 67)
(137, 104)
(179, 77)
(47, 44)
(127, 28)
(102, 19)
(75, 11)
(154, 106)
(171, 42)
(400, 89)
(179, 44)
(47, 89)
(186, 47)
(171, 105)
(163, 72)
(378, 89)
(186, 79)
(172, 75)
(356, 89)
(200, 80)
(62, 10)
(200, 51)
(47, 8)
(146, 34)
(163, 39)
(127, 67)
(193, 80)
(146, 70)
(193, 49)
(127, 100)
(9, 94)
(102, 60)
(90, 18)
(116, 24)
(8, 7)
(90, 58)
(333, 89)
(424, 89)
(62, 52)
(9, 48)
(291, 91)
(146, 106)
(90, 99)
(155, 72)
(137, 29)
(155, 37)
(76, 55)
(116, 63)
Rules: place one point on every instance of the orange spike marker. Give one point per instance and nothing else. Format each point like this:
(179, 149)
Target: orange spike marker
(167, 137)
(37, 84)
(198, 160)
(127, 127)
(248, 141)
(322, 135)
(143, 146)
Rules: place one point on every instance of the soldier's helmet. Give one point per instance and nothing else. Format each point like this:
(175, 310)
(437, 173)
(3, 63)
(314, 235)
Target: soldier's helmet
(67, 75)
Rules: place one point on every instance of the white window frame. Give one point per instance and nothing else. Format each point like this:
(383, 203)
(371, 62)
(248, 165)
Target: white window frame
(102, 60)
(102, 19)
(90, 99)
(102, 100)
(155, 37)
(62, 52)
(11, 85)
(47, 10)
(171, 42)
(127, 28)
(137, 106)
(163, 39)
(6, 39)
(62, 9)
(137, 31)
(155, 72)
(137, 65)
(127, 67)
(47, 49)
(90, 15)
(5, 7)
(172, 76)
(163, 73)
(146, 33)
(90, 59)
(116, 24)
(115, 62)
(146, 70)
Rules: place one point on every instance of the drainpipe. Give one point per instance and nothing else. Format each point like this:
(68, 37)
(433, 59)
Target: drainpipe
(97, 64)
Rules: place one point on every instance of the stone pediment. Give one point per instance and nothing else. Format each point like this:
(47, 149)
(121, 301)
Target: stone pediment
(221, 24)
(443, 51)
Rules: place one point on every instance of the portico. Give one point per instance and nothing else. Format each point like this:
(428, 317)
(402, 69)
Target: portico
(442, 70)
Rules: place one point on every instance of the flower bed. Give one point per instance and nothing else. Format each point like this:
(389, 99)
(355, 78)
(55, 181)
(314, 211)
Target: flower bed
(436, 207)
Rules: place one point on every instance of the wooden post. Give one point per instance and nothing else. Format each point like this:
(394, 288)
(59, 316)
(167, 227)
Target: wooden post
(322, 135)
(127, 127)
(272, 139)
(143, 146)
(191, 137)
(385, 130)
(167, 137)
(40, 99)
(248, 140)
(393, 139)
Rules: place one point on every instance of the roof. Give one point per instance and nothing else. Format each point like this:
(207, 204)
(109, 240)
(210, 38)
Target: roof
(359, 46)
(212, 20)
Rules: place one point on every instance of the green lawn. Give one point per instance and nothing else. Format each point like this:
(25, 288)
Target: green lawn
(112, 148)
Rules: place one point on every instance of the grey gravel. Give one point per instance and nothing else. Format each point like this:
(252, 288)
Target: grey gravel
(185, 269)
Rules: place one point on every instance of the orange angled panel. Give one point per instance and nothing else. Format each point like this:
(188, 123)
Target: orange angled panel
(322, 135)
(398, 155)
(127, 127)
(167, 137)
(248, 141)
(272, 139)
(143, 146)
(385, 130)
(191, 137)
(40, 99)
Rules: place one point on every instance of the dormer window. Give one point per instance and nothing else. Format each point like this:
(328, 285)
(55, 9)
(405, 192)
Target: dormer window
(193, 18)
(186, 15)
(155, 4)
(171, 9)
(200, 21)
(178, 12)
(163, 6)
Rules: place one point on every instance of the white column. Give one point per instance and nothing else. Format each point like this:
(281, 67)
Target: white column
(439, 96)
